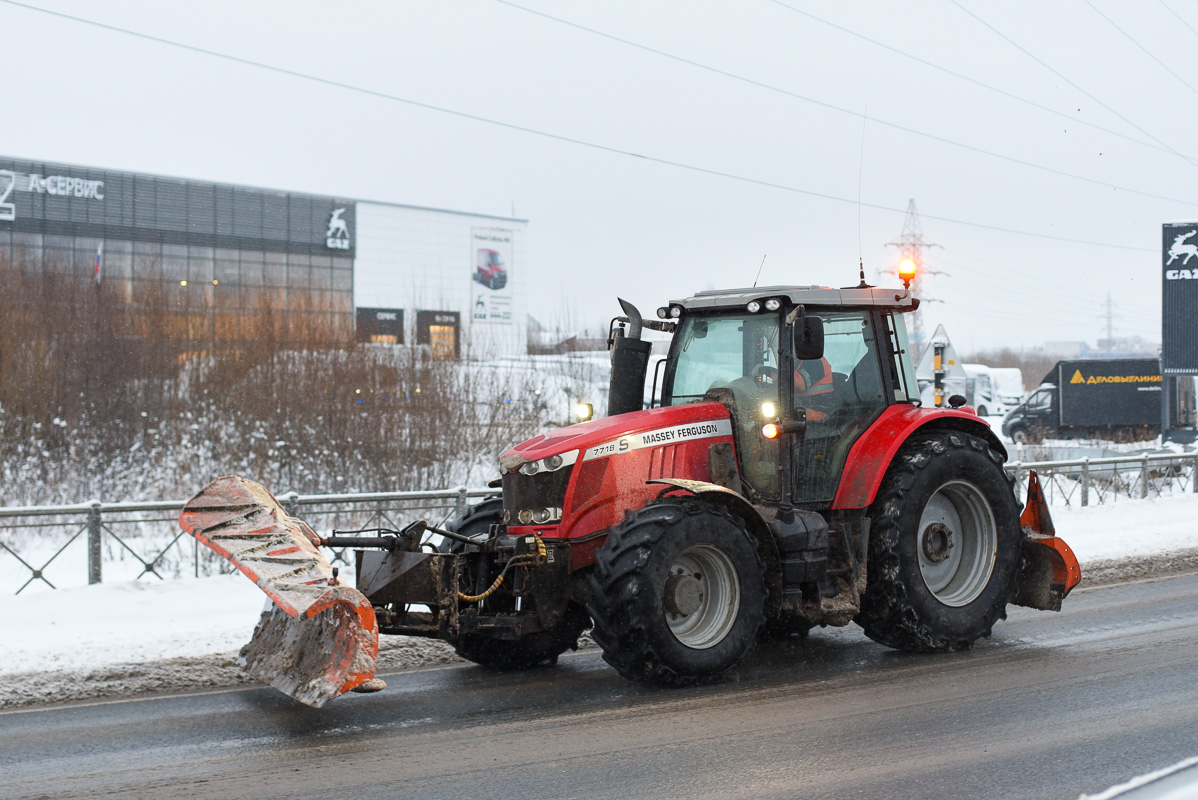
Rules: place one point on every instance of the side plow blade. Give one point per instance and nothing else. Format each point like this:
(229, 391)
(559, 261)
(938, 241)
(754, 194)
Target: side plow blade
(319, 639)
(1050, 569)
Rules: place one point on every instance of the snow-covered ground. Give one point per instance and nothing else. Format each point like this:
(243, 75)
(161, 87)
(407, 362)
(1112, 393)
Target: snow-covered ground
(147, 635)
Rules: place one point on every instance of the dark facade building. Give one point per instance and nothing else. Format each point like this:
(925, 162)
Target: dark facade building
(226, 257)
(235, 263)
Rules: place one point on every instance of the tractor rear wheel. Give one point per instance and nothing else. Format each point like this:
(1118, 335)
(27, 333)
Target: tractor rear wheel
(944, 550)
(532, 650)
(678, 593)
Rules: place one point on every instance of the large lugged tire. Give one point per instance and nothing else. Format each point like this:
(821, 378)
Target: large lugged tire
(678, 593)
(533, 650)
(944, 548)
(477, 521)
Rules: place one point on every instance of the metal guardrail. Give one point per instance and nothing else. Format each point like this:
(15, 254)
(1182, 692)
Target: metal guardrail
(1105, 479)
(1081, 481)
(119, 528)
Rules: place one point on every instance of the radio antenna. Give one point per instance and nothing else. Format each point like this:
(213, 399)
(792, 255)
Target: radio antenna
(860, 171)
(759, 271)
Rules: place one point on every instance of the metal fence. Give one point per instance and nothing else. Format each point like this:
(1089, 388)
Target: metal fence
(1089, 481)
(144, 538)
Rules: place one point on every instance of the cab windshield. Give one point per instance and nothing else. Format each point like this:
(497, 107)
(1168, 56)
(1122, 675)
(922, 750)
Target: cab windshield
(716, 351)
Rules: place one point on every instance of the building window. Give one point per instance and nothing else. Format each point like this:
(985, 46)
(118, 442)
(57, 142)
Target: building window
(440, 331)
(379, 325)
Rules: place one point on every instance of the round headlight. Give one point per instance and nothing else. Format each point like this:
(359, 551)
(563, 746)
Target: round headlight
(753, 306)
(675, 311)
(553, 462)
(525, 517)
(541, 516)
(507, 516)
(663, 312)
(530, 468)
(773, 304)
(768, 410)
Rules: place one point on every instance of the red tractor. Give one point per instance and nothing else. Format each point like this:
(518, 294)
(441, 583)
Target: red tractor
(787, 478)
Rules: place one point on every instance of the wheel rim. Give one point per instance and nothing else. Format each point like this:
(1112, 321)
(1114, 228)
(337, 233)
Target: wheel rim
(701, 596)
(957, 543)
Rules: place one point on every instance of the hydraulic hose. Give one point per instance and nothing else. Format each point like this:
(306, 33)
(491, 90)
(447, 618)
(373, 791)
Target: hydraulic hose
(526, 559)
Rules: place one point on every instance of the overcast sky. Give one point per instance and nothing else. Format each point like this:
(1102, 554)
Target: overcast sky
(1073, 119)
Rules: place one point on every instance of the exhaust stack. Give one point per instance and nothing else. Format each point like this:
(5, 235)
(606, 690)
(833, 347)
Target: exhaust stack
(629, 365)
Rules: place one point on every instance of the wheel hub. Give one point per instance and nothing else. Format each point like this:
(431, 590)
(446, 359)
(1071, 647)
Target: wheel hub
(701, 596)
(937, 541)
(957, 543)
(683, 594)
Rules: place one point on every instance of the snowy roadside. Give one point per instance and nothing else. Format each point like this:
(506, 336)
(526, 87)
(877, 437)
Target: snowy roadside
(140, 637)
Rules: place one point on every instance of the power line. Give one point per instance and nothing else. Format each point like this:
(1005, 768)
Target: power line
(968, 79)
(1050, 296)
(1147, 52)
(833, 107)
(553, 136)
(1044, 64)
(1180, 17)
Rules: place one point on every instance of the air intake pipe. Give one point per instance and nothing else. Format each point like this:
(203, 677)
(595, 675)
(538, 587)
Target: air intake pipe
(629, 364)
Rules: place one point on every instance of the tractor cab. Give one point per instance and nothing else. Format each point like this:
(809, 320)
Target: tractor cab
(803, 371)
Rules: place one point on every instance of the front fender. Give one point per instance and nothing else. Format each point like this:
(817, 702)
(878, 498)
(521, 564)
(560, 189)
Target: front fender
(734, 502)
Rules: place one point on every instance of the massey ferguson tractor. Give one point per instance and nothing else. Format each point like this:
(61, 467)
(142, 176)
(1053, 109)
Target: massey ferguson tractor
(784, 477)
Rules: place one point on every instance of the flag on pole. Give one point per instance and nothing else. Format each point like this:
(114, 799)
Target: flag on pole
(99, 260)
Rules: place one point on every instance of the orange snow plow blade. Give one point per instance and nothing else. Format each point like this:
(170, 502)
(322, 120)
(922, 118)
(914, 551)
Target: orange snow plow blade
(1050, 569)
(319, 639)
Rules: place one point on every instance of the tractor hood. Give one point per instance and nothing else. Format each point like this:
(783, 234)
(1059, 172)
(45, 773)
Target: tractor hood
(660, 422)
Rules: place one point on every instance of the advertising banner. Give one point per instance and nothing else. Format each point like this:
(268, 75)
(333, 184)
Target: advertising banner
(1179, 295)
(491, 271)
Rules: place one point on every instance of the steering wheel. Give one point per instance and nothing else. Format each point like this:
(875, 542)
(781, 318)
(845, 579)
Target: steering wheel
(764, 374)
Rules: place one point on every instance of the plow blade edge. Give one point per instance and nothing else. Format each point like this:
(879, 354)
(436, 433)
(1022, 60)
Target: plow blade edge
(1050, 569)
(318, 639)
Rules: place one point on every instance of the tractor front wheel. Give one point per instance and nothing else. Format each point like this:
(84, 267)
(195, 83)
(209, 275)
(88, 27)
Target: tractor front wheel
(531, 650)
(678, 593)
(944, 548)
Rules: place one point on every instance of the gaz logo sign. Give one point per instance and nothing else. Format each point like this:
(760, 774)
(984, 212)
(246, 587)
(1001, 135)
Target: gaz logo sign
(1179, 298)
(337, 236)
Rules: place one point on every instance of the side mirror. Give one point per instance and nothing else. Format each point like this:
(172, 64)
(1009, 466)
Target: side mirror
(808, 338)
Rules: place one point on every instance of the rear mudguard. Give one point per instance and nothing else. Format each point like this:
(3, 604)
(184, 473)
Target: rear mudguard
(874, 451)
(319, 638)
(1050, 569)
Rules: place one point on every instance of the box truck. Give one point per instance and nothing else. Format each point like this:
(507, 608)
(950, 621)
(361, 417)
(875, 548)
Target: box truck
(1116, 398)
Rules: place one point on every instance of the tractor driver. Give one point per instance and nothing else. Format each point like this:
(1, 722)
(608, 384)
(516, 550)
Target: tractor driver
(813, 384)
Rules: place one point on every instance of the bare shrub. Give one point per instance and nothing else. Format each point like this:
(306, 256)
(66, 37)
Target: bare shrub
(136, 392)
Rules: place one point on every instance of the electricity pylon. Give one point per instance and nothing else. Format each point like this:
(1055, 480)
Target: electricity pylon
(912, 245)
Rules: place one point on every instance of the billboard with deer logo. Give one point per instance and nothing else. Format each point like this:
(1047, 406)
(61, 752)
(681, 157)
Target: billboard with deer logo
(1179, 317)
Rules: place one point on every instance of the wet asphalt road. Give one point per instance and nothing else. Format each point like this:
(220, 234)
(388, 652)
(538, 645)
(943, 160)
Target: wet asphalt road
(1054, 705)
